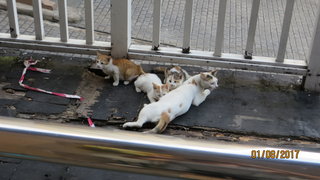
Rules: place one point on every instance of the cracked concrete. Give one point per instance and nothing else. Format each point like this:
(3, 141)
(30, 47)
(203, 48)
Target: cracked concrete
(248, 107)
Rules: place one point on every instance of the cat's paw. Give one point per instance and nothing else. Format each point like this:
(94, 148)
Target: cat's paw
(138, 90)
(206, 92)
(126, 82)
(115, 84)
(130, 124)
(107, 77)
(126, 125)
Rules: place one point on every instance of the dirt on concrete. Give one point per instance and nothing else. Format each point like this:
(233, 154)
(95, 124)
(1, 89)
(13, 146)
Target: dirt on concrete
(75, 77)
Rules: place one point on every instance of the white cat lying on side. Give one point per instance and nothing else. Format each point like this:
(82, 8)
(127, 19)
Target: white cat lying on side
(151, 84)
(176, 102)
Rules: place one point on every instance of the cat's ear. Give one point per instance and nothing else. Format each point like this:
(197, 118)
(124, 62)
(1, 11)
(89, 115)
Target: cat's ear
(214, 72)
(194, 82)
(202, 76)
(166, 71)
(98, 53)
(155, 86)
(178, 68)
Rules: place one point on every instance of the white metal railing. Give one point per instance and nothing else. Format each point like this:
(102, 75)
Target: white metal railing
(38, 19)
(121, 40)
(156, 24)
(88, 6)
(63, 20)
(13, 19)
(252, 29)
(285, 30)
(187, 26)
(220, 27)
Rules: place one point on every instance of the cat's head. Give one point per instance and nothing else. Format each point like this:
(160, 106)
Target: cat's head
(174, 80)
(174, 77)
(102, 60)
(208, 80)
(160, 90)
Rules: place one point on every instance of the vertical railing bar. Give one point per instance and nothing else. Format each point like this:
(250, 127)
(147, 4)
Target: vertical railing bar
(156, 24)
(187, 26)
(88, 6)
(220, 28)
(120, 28)
(63, 20)
(13, 18)
(252, 29)
(38, 19)
(285, 30)
(312, 80)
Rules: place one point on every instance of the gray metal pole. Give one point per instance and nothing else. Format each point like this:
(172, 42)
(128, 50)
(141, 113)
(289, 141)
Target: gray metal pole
(147, 153)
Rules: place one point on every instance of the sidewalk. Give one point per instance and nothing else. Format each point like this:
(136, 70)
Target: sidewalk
(204, 25)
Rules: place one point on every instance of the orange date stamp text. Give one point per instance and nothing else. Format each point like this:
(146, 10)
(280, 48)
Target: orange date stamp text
(275, 154)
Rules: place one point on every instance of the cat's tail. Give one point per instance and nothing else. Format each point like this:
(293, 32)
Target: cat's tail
(162, 124)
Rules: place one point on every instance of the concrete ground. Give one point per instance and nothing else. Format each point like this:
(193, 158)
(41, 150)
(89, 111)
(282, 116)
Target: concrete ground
(248, 107)
(250, 102)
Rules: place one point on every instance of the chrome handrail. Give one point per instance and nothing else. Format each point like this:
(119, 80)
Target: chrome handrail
(146, 153)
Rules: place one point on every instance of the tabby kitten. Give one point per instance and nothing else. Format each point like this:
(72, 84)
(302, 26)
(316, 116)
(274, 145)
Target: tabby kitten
(119, 69)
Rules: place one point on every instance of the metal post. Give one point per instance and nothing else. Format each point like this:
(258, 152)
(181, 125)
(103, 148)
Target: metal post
(252, 29)
(88, 6)
(63, 20)
(152, 154)
(187, 26)
(220, 28)
(312, 80)
(120, 28)
(156, 24)
(285, 30)
(38, 19)
(13, 18)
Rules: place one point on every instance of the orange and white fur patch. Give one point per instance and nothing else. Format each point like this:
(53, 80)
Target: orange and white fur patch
(119, 69)
(176, 102)
(175, 76)
(151, 84)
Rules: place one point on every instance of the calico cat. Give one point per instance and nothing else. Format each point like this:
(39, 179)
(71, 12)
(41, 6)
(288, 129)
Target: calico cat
(151, 84)
(174, 76)
(207, 78)
(176, 102)
(119, 69)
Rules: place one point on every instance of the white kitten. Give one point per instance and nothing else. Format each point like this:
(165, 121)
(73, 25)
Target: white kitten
(176, 102)
(151, 84)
